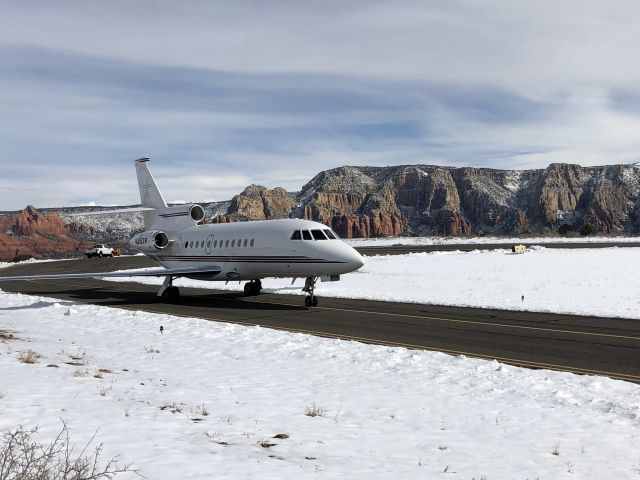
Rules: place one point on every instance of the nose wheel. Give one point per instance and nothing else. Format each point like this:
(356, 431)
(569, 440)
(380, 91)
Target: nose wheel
(309, 286)
(253, 287)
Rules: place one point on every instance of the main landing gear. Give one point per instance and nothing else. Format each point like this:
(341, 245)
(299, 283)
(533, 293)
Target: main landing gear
(309, 286)
(253, 287)
(167, 291)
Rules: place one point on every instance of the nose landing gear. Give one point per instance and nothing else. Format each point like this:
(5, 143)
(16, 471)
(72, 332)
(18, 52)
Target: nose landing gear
(309, 286)
(253, 287)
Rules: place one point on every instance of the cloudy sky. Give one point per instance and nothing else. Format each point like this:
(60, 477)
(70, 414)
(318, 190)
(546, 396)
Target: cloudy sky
(224, 94)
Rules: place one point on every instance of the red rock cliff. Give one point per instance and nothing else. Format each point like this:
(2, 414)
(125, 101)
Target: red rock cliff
(30, 232)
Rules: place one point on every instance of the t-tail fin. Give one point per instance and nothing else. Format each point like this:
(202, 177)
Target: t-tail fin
(150, 196)
(155, 210)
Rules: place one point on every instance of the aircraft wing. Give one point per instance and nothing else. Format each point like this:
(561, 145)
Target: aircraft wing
(153, 272)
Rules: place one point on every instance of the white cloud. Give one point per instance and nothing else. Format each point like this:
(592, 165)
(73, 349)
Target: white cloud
(526, 46)
(225, 94)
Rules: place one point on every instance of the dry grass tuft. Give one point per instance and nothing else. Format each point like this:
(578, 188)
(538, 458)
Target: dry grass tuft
(202, 410)
(315, 410)
(104, 370)
(103, 391)
(281, 436)
(555, 450)
(80, 372)
(173, 407)
(28, 356)
(98, 374)
(3, 395)
(77, 360)
(266, 444)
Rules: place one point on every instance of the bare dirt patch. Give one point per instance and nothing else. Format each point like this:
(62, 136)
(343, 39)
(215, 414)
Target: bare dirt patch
(6, 336)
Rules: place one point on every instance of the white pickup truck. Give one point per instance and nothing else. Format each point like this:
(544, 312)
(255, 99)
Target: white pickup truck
(99, 250)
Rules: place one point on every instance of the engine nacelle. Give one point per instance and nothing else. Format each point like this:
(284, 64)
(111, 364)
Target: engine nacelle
(196, 212)
(150, 241)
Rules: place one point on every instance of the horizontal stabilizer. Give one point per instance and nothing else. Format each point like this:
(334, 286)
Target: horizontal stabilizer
(119, 210)
(154, 272)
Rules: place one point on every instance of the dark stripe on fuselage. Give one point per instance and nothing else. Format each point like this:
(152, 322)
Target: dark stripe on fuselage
(242, 259)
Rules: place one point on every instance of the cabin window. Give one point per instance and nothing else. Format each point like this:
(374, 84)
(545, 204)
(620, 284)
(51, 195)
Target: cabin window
(329, 234)
(296, 235)
(215, 243)
(197, 243)
(191, 244)
(233, 243)
(306, 235)
(245, 242)
(226, 243)
(186, 244)
(251, 243)
(318, 235)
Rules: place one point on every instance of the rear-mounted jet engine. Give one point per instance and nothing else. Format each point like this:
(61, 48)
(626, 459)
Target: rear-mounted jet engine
(150, 241)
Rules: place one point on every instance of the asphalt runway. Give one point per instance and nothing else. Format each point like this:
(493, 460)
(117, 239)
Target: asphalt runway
(589, 345)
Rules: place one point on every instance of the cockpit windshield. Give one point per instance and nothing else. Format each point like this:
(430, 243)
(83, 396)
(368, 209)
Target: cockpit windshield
(326, 234)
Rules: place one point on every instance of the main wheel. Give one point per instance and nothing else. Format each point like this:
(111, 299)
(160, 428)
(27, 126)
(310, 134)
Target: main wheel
(174, 293)
(99, 254)
(314, 301)
(171, 294)
(308, 302)
(247, 288)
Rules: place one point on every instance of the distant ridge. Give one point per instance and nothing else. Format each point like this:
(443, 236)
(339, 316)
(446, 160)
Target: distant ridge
(416, 200)
(434, 200)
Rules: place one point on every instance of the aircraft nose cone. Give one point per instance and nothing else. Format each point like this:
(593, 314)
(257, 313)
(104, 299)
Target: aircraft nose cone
(356, 260)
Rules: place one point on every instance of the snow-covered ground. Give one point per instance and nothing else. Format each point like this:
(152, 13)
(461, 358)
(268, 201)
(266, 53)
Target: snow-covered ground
(390, 412)
(602, 282)
(204, 399)
(382, 242)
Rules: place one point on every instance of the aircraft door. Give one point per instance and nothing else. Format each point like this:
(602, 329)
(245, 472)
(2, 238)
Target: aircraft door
(207, 248)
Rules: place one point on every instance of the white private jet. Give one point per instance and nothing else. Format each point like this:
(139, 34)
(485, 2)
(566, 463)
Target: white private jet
(175, 238)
